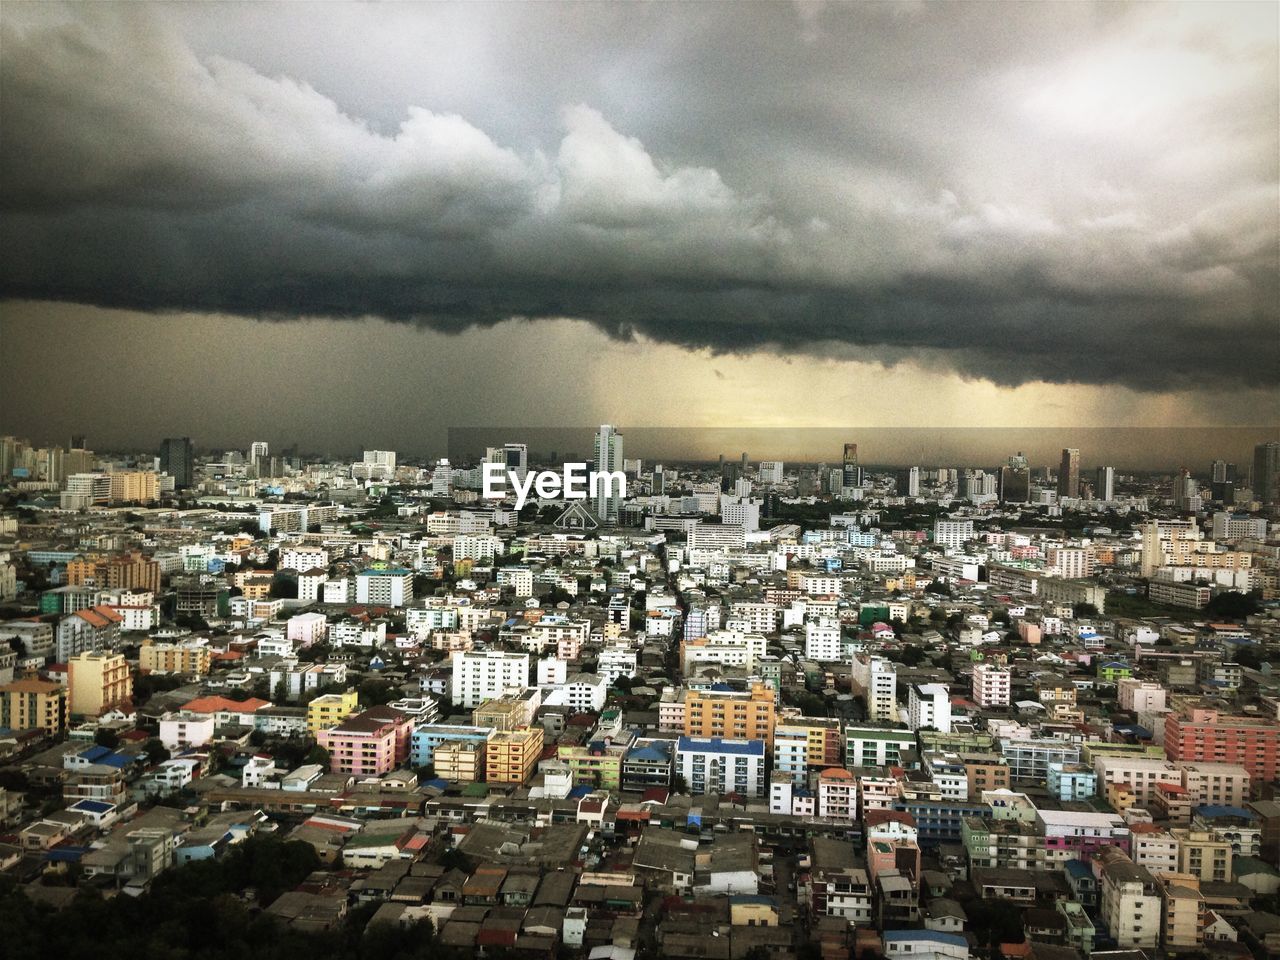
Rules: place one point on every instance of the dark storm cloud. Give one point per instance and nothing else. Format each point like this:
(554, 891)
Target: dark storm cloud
(1051, 192)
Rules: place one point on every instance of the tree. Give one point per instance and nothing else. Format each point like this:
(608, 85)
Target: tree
(1232, 605)
(1083, 610)
(156, 751)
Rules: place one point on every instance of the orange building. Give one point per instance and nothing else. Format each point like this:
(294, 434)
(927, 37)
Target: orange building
(735, 714)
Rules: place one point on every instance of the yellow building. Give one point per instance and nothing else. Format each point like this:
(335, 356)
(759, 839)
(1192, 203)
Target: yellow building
(328, 710)
(1203, 856)
(512, 755)
(753, 912)
(83, 570)
(33, 704)
(180, 658)
(97, 682)
(459, 761)
(135, 486)
(732, 714)
(1184, 910)
(504, 713)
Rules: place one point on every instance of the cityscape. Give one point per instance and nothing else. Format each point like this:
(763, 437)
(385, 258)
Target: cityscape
(582, 481)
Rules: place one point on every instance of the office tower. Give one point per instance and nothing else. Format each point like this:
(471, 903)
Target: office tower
(177, 459)
(770, 471)
(77, 460)
(258, 453)
(1105, 487)
(1266, 472)
(1218, 471)
(852, 472)
(608, 456)
(514, 457)
(659, 481)
(743, 467)
(53, 465)
(913, 482)
(1186, 491)
(8, 455)
(1069, 473)
(1015, 480)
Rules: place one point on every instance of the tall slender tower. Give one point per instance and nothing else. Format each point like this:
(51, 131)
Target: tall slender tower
(1266, 472)
(1105, 487)
(1069, 473)
(608, 452)
(177, 459)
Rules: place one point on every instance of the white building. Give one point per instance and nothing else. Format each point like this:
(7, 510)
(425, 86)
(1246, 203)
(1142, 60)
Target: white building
(303, 558)
(305, 629)
(771, 471)
(991, 684)
(391, 587)
(952, 534)
(716, 765)
(480, 675)
(876, 679)
(184, 730)
(929, 707)
(822, 641)
(615, 662)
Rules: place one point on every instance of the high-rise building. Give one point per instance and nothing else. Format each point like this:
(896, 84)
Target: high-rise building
(1266, 472)
(852, 471)
(659, 481)
(514, 457)
(1069, 473)
(608, 457)
(177, 459)
(1105, 487)
(259, 461)
(1015, 480)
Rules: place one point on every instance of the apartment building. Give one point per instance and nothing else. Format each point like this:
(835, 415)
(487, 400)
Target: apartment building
(33, 705)
(1203, 735)
(876, 746)
(721, 765)
(190, 659)
(480, 675)
(731, 714)
(511, 756)
(875, 679)
(1131, 908)
(365, 744)
(98, 682)
(991, 684)
(330, 709)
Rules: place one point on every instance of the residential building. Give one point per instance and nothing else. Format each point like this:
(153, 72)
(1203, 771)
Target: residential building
(720, 765)
(480, 675)
(96, 683)
(511, 756)
(33, 705)
(731, 714)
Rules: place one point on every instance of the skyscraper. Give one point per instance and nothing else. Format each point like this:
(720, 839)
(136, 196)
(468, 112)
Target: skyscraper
(852, 472)
(258, 453)
(1105, 487)
(1015, 480)
(608, 454)
(1069, 473)
(1266, 472)
(177, 459)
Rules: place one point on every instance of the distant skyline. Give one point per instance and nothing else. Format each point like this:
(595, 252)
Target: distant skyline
(363, 224)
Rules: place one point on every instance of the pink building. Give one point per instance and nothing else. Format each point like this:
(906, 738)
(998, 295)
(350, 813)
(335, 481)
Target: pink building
(368, 744)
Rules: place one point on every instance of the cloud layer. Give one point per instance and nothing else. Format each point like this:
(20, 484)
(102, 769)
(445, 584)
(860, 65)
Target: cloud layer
(1053, 192)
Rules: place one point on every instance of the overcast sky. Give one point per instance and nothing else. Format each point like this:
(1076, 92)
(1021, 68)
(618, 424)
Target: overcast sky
(322, 223)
